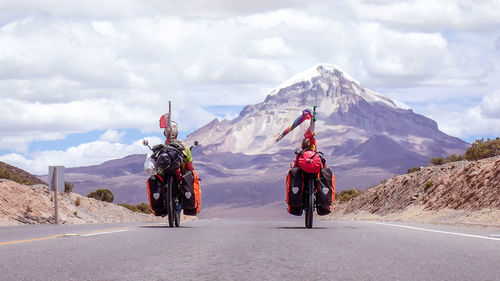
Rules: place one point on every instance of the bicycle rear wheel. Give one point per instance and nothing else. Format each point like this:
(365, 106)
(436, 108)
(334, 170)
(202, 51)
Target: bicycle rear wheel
(310, 203)
(170, 201)
(177, 216)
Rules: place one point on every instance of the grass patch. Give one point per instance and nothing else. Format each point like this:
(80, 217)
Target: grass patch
(346, 195)
(139, 208)
(427, 185)
(479, 149)
(102, 194)
(68, 187)
(412, 170)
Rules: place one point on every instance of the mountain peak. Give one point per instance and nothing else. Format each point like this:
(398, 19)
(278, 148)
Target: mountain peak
(307, 75)
(326, 76)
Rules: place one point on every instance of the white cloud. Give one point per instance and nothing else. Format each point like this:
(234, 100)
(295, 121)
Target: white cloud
(19, 141)
(431, 16)
(285, 18)
(482, 119)
(274, 46)
(23, 123)
(490, 107)
(103, 28)
(112, 136)
(82, 155)
(113, 65)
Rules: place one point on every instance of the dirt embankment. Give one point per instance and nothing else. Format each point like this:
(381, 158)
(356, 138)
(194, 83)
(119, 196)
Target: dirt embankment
(459, 192)
(24, 204)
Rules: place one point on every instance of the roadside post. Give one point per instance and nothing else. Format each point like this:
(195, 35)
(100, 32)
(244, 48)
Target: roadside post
(56, 181)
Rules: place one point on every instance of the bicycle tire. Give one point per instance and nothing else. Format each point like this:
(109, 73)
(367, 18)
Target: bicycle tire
(177, 217)
(170, 209)
(310, 203)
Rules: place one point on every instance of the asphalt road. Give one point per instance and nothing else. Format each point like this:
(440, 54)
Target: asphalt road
(249, 250)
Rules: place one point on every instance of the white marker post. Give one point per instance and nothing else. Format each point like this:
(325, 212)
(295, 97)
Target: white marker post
(56, 180)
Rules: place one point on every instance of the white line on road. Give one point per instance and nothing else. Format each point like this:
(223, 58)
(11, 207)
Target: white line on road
(104, 232)
(437, 231)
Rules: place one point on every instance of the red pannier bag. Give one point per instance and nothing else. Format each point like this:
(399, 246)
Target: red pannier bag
(310, 162)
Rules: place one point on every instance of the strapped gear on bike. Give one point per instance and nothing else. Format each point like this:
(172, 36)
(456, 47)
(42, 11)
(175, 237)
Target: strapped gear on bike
(310, 161)
(168, 158)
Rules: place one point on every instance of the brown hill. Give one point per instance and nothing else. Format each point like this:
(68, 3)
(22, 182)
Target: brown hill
(18, 175)
(464, 191)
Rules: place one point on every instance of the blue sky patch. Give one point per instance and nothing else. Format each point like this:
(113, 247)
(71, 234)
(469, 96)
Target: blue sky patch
(71, 140)
(224, 110)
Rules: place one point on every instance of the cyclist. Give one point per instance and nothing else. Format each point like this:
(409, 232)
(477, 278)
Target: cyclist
(171, 135)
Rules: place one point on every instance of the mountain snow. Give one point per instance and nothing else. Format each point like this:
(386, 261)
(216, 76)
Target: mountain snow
(319, 70)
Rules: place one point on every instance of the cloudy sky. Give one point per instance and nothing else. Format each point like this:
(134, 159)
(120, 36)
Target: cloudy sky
(82, 82)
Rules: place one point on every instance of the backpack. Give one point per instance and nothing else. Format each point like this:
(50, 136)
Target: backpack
(310, 161)
(191, 194)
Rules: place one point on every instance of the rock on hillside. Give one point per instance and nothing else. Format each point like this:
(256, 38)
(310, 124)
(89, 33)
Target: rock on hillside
(23, 204)
(468, 188)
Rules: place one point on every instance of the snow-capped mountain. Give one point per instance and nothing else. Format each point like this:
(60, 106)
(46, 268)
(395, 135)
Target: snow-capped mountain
(364, 136)
(348, 114)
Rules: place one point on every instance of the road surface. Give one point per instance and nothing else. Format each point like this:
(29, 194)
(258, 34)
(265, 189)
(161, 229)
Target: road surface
(230, 249)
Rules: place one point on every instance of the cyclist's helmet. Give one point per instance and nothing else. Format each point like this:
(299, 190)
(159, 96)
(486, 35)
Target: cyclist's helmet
(173, 131)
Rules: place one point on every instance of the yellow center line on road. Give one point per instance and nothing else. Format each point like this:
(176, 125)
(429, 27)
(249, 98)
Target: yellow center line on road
(101, 230)
(30, 240)
(66, 235)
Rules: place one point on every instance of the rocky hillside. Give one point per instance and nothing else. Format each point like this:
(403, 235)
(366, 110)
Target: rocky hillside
(24, 204)
(463, 191)
(25, 199)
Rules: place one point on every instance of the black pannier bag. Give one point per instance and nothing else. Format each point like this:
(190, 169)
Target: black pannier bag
(156, 195)
(326, 192)
(169, 159)
(188, 194)
(294, 191)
